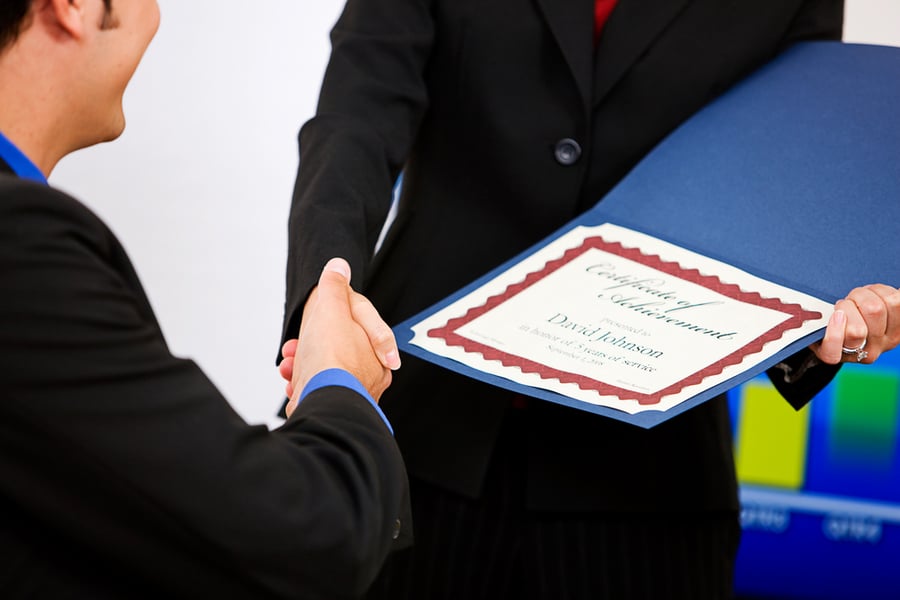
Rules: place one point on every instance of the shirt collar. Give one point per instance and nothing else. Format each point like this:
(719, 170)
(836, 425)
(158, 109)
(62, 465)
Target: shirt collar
(18, 162)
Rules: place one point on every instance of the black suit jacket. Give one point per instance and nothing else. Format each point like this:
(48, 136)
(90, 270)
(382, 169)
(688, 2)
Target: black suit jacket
(125, 473)
(473, 100)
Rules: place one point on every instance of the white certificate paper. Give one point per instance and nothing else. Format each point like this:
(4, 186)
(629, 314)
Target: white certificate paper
(616, 318)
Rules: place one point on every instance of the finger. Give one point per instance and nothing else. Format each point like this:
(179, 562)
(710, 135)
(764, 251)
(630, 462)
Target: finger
(890, 297)
(286, 369)
(308, 307)
(289, 348)
(855, 330)
(290, 406)
(829, 350)
(892, 334)
(340, 266)
(334, 287)
(380, 335)
(872, 309)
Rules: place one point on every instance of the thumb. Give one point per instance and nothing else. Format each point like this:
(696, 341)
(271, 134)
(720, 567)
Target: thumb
(334, 286)
(339, 265)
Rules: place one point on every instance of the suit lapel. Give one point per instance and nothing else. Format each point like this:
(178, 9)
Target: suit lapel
(571, 23)
(632, 27)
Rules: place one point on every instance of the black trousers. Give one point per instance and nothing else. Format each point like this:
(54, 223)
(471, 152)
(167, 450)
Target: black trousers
(493, 548)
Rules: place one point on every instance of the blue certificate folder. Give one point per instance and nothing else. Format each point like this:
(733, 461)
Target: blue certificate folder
(793, 175)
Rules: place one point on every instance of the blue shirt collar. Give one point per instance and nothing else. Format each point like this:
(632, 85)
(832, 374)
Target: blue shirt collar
(18, 162)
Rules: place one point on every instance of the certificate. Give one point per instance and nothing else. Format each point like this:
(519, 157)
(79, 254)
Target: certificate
(718, 256)
(612, 317)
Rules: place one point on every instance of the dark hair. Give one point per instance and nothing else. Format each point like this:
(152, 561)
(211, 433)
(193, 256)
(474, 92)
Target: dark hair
(13, 14)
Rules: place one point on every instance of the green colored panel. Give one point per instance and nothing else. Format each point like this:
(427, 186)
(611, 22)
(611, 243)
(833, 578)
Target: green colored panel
(863, 427)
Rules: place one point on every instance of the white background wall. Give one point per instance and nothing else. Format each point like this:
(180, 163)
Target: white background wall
(199, 186)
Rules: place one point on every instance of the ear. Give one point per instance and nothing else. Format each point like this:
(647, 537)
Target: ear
(68, 15)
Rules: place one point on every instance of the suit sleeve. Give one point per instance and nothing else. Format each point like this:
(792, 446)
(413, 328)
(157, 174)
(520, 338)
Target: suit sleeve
(132, 455)
(372, 101)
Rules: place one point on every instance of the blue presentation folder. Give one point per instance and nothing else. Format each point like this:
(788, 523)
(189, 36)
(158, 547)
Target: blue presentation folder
(793, 175)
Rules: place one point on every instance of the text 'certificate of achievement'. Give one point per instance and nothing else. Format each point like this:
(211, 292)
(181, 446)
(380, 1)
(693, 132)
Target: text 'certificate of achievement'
(612, 317)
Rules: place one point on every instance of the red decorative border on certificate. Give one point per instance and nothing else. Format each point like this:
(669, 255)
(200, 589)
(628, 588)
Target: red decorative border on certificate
(797, 316)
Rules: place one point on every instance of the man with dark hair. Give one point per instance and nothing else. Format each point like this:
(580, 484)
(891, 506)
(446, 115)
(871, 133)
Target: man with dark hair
(125, 473)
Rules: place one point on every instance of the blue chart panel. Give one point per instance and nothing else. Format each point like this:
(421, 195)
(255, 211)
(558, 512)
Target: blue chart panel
(820, 489)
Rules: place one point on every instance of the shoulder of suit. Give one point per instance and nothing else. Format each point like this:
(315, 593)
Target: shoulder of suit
(28, 202)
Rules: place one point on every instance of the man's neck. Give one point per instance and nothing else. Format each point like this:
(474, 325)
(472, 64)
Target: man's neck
(34, 113)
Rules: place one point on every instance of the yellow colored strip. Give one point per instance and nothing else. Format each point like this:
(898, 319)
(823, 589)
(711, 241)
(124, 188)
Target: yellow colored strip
(771, 439)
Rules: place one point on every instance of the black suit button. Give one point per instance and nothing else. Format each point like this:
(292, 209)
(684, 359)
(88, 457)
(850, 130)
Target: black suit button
(567, 152)
(396, 532)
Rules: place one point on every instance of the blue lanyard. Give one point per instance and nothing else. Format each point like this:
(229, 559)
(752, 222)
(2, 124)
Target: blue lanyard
(18, 162)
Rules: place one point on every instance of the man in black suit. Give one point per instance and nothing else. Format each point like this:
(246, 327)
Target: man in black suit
(509, 118)
(123, 471)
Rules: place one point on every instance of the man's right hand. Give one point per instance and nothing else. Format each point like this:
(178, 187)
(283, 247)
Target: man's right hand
(340, 329)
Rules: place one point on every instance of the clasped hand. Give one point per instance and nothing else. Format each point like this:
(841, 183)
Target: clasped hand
(340, 329)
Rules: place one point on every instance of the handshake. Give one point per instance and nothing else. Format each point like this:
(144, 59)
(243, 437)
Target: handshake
(340, 330)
